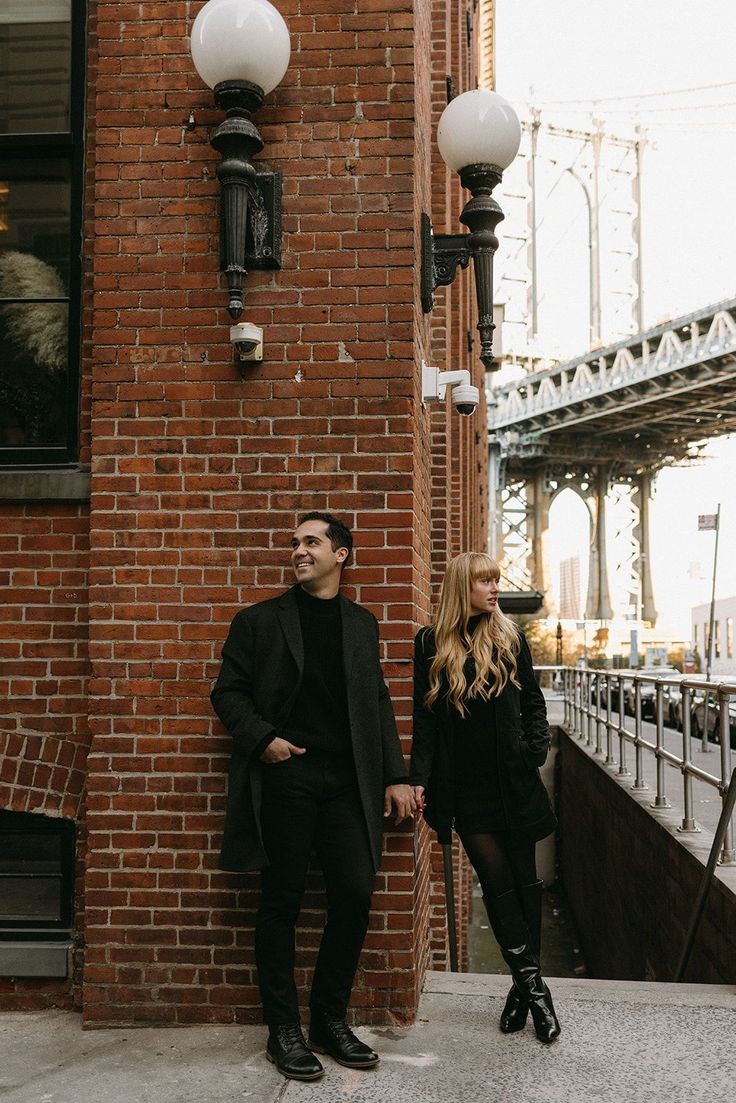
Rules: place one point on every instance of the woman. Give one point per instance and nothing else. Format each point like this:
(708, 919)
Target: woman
(480, 734)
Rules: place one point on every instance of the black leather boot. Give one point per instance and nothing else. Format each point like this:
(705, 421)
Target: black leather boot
(287, 1050)
(331, 1034)
(516, 1008)
(514, 938)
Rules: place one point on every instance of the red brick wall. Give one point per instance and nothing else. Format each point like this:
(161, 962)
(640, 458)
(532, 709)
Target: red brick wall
(198, 476)
(44, 661)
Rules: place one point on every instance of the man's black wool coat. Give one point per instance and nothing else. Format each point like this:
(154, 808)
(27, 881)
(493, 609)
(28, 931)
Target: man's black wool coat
(262, 666)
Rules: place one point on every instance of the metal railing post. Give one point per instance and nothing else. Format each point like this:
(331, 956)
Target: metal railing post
(609, 723)
(622, 768)
(728, 854)
(588, 708)
(639, 782)
(578, 726)
(660, 801)
(598, 718)
(704, 734)
(688, 822)
(729, 798)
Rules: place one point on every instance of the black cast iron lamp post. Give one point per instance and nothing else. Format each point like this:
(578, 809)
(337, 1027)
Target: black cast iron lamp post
(478, 136)
(241, 49)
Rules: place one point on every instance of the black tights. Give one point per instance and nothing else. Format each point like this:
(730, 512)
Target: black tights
(501, 863)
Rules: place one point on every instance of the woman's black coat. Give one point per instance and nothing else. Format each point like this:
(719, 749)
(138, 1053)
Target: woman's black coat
(522, 739)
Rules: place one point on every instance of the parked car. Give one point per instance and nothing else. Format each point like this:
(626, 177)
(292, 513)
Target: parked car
(697, 718)
(671, 698)
(648, 690)
(603, 680)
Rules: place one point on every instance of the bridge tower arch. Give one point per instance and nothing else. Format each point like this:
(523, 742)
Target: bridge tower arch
(520, 521)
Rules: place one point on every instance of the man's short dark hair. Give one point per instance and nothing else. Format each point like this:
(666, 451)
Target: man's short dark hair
(338, 534)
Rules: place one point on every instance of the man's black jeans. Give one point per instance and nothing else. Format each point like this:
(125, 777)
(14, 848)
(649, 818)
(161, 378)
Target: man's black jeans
(312, 801)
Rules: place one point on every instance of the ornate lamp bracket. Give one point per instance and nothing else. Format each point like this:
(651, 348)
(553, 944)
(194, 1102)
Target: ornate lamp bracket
(442, 255)
(250, 201)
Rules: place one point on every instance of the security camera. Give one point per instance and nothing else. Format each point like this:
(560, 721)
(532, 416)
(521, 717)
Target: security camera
(248, 340)
(465, 397)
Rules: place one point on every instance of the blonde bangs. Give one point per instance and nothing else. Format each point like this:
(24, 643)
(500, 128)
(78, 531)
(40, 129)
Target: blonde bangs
(493, 646)
(481, 565)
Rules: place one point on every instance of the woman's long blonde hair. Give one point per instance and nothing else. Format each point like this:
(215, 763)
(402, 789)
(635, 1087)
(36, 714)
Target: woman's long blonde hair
(493, 646)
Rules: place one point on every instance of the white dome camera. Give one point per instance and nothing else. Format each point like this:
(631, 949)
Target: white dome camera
(248, 340)
(465, 397)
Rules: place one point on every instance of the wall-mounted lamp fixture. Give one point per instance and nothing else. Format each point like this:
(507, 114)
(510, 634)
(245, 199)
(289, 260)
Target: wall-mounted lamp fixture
(478, 135)
(241, 49)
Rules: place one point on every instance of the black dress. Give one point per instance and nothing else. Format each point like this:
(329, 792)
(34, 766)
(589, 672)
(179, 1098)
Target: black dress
(476, 782)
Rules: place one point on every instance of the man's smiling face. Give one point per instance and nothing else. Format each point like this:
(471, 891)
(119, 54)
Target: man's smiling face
(312, 556)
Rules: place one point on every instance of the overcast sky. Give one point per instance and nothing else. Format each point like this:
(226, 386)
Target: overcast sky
(623, 54)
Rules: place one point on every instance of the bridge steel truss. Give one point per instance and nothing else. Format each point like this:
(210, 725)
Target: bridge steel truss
(616, 415)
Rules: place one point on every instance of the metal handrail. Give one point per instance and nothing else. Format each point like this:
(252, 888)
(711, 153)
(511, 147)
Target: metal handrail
(589, 716)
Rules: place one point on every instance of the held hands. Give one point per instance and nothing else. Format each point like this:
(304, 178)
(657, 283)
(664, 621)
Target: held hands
(399, 799)
(278, 750)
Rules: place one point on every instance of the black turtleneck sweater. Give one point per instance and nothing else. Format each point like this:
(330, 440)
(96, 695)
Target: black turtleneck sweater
(319, 718)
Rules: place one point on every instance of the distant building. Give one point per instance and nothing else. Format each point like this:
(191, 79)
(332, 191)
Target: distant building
(570, 602)
(724, 658)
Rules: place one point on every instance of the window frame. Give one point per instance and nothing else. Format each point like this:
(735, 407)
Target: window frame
(37, 929)
(71, 145)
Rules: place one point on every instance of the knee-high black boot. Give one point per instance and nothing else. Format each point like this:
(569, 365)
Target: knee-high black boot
(516, 1008)
(513, 936)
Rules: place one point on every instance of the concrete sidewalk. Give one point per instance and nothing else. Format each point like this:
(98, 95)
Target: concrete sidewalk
(621, 1042)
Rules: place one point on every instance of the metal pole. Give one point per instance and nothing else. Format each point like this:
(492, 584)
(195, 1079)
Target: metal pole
(709, 659)
(534, 135)
(494, 505)
(728, 857)
(596, 139)
(688, 822)
(639, 264)
(660, 801)
(598, 719)
(639, 782)
(707, 878)
(622, 768)
(450, 904)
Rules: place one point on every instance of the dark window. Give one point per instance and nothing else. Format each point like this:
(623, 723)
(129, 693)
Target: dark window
(41, 165)
(36, 876)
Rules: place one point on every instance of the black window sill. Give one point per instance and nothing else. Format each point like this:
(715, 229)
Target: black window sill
(44, 485)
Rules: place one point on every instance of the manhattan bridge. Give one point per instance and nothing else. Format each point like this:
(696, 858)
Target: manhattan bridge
(603, 423)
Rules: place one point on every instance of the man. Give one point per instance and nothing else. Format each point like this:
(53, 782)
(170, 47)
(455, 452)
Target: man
(316, 763)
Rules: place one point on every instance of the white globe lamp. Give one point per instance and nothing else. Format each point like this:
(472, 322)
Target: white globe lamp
(241, 40)
(478, 128)
(478, 136)
(241, 49)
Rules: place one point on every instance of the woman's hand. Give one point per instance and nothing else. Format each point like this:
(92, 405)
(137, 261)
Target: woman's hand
(399, 799)
(419, 797)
